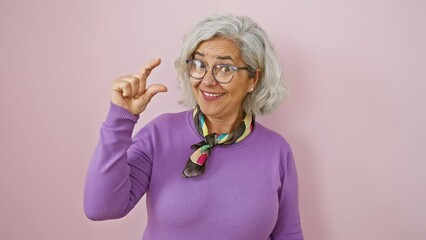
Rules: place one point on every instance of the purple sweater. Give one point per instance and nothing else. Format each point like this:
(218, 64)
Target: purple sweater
(249, 190)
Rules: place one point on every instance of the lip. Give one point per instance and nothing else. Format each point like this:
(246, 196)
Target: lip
(211, 96)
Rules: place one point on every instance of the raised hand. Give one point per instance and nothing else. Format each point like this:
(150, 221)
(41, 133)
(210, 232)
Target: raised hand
(131, 93)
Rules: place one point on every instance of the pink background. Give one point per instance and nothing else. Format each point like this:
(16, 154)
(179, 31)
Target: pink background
(355, 116)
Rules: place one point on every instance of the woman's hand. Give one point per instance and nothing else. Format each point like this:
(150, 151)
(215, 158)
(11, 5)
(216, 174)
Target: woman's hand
(131, 93)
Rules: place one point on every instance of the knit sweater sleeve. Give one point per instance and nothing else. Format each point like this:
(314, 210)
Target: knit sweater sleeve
(288, 226)
(119, 171)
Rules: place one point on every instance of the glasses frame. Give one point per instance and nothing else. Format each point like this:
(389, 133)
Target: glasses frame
(207, 68)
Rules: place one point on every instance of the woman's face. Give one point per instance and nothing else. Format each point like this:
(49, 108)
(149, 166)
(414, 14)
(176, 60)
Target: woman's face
(221, 101)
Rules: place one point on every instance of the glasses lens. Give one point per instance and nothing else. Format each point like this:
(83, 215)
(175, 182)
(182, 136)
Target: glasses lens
(223, 73)
(196, 69)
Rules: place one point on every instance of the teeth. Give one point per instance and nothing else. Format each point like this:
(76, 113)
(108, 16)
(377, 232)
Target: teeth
(213, 94)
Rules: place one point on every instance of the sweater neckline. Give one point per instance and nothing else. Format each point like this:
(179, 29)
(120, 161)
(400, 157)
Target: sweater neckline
(246, 140)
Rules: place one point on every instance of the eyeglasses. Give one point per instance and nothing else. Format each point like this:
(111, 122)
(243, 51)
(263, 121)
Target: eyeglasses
(222, 73)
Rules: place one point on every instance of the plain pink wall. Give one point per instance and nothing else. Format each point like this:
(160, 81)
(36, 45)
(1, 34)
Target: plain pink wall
(355, 116)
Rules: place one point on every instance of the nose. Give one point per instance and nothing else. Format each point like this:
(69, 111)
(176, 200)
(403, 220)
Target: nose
(208, 79)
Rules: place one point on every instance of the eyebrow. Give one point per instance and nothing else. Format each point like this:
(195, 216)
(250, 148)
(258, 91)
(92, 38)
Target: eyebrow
(198, 53)
(226, 57)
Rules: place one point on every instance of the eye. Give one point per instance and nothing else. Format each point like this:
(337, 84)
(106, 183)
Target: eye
(198, 64)
(224, 70)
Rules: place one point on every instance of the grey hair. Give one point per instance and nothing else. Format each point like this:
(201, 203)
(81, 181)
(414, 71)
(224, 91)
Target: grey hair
(256, 51)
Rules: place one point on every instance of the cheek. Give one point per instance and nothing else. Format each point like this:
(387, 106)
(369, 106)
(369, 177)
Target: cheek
(236, 92)
(194, 84)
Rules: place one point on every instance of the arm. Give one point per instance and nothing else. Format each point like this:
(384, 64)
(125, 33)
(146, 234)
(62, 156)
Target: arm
(120, 169)
(288, 225)
(118, 173)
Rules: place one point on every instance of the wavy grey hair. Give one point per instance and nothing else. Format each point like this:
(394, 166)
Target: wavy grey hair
(256, 51)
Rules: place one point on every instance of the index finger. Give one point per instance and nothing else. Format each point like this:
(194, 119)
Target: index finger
(147, 68)
(145, 71)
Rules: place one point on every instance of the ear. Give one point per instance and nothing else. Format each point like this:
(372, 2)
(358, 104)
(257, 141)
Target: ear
(254, 80)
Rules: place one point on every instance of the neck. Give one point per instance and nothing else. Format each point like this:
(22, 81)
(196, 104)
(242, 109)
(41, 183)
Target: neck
(220, 125)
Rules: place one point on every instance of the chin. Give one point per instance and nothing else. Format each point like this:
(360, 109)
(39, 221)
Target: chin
(208, 110)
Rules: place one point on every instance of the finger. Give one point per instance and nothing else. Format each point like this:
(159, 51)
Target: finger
(145, 71)
(147, 68)
(131, 89)
(122, 86)
(152, 90)
(135, 82)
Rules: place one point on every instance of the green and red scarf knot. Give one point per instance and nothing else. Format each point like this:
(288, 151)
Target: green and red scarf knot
(195, 165)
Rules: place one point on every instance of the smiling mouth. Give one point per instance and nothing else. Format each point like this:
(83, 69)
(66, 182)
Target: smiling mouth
(212, 95)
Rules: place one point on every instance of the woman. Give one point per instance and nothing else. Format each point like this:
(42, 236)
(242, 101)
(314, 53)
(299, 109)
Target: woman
(212, 172)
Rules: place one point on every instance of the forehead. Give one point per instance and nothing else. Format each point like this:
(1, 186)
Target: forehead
(218, 48)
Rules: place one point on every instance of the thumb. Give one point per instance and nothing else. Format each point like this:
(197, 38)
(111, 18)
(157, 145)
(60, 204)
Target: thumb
(153, 89)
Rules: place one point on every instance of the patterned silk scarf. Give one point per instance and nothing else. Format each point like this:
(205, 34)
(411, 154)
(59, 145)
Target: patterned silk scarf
(195, 165)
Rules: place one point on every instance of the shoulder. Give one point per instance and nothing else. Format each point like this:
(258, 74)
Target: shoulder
(165, 119)
(170, 119)
(275, 149)
(165, 123)
(271, 138)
